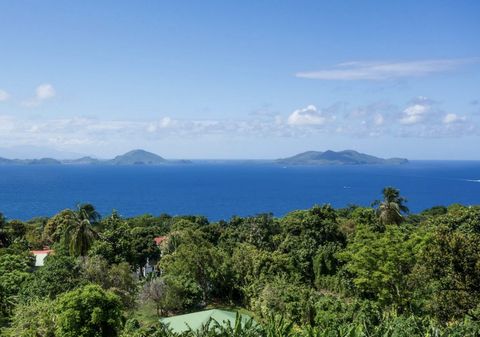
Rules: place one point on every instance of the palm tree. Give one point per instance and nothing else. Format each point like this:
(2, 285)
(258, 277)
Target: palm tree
(89, 212)
(80, 234)
(392, 206)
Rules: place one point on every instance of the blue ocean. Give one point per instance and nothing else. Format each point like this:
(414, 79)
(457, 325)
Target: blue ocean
(221, 190)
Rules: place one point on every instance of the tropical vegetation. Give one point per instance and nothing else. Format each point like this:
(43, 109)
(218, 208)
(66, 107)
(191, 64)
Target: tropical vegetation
(354, 271)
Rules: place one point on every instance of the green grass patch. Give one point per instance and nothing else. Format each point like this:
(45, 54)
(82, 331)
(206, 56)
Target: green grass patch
(145, 313)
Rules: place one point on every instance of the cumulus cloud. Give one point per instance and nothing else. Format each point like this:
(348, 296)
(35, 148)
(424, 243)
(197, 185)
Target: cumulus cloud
(419, 110)
(425, 118)
(414, 114)
(421, 117)
(453, 118)
(351, 71)
(43, 92)
(4, 95)
(163, 123)
(306, 116)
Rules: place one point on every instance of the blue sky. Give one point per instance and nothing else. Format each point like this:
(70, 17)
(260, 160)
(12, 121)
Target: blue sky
(245, 79)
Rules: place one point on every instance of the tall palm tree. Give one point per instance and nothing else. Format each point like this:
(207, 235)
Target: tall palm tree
(390, 210)
(89, 212)
(80, 234)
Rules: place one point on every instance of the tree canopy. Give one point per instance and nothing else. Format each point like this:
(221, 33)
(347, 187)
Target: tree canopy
(357, 271)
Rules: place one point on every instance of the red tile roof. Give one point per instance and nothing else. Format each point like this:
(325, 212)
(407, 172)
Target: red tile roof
(159, 239)
(45, 251)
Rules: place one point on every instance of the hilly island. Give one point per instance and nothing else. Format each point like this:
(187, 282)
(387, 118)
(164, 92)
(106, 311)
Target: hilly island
(142, 157)
(134, 157)
(346, 157)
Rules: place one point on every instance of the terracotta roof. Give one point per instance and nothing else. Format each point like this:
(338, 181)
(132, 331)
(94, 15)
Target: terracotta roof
(46, 251)
(159, 239)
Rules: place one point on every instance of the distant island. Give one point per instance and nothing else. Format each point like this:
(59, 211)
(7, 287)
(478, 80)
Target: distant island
(142, 157)
(137, 157)
(346, 157)
(134, 157)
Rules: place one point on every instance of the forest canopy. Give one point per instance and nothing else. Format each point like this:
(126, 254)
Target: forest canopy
(354, 271)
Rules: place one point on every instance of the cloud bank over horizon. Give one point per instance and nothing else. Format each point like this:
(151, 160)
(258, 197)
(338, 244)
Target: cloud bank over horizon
(420, 118)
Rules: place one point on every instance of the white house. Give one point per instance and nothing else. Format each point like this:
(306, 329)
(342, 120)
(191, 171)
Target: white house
(150, 265)
(40, 256)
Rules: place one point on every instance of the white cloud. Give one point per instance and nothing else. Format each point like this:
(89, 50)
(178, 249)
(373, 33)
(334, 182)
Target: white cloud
(43, 92)
(351, 71)
(416, 112)
(453, 118)
(163, 123)
(306, 116)
(421, 118)
(4, 95)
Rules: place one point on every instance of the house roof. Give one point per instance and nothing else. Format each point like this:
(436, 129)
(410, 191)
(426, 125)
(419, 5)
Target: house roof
(159, 239)
(40, 256)
(39, 252)
(195, 320)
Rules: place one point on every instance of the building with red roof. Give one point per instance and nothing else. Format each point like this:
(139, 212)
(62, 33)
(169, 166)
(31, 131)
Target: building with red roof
(40, 256)
(159, 240)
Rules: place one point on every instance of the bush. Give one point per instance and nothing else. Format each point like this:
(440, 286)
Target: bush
(89, 311)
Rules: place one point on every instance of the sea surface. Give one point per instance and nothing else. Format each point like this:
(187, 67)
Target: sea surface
(221, 190)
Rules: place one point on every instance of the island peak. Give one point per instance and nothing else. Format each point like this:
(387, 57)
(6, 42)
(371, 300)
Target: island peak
(138, 157)
(345, 157)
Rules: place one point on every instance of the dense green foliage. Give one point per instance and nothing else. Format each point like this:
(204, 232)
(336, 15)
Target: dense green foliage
(355, 271)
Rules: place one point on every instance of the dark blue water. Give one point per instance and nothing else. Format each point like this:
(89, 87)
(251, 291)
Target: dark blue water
(219, 191)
